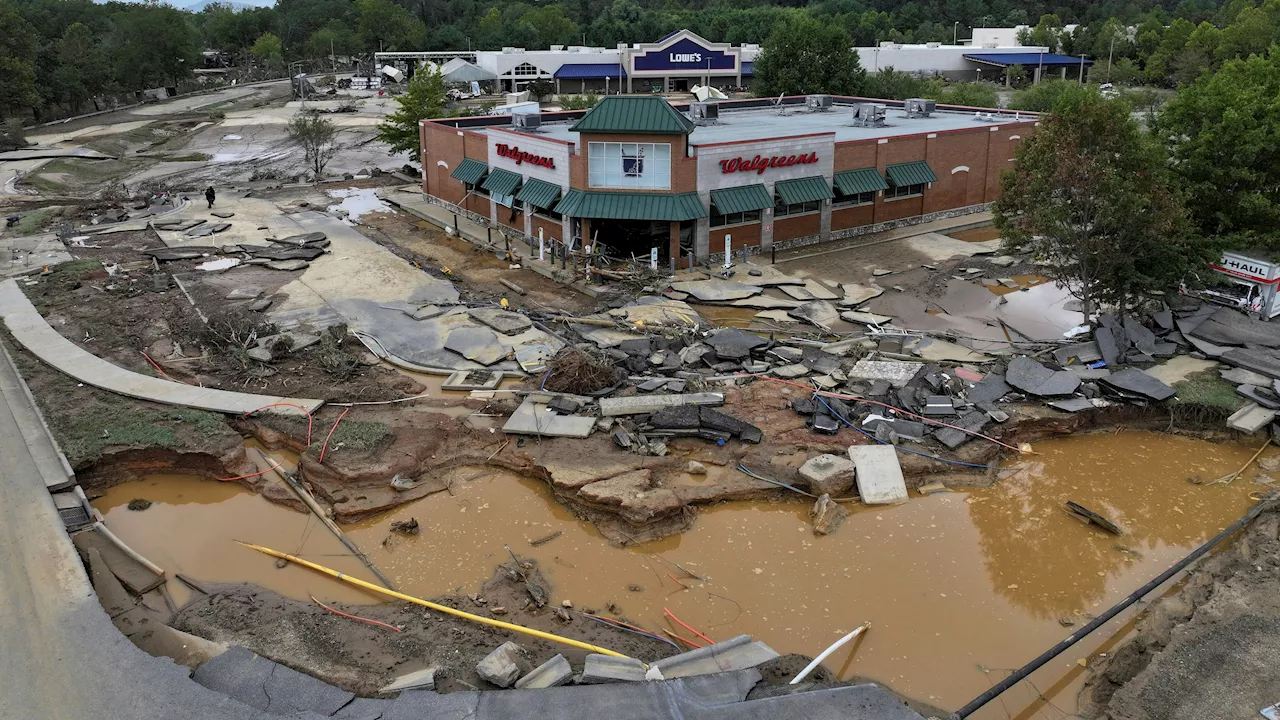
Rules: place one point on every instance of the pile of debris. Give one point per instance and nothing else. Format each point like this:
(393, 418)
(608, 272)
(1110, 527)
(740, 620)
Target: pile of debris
(289, 253)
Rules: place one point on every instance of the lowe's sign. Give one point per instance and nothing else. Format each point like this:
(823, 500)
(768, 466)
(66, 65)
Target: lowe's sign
(687, 56)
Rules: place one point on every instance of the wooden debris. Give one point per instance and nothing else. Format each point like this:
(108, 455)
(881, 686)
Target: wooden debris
(1085, 514)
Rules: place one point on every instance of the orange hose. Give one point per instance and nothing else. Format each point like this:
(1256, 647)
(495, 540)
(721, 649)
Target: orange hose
(252, 475)
(326, 437)
(672, 615)
(356, 617)
(842, 396)
(684, 640)
(163, 374)
(285, 404)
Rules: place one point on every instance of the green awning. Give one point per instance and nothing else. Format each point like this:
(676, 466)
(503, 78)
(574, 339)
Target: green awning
(853, 182)
(647, 114)
(803, 190)
(631, 206)
(470, 171)
(502, 182)
(910, 173)
(741, 199)
(539, 193)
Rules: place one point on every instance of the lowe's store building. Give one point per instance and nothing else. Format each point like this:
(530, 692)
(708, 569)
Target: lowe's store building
(637, 173)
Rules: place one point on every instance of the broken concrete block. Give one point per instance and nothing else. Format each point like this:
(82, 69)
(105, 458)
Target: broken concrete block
(695, 468)
(1251, 418)
(1030, 376)
(878, 474)
(503, 666)
(424, 679)
(260, 305)
(551, 673)
(536, 419)
(638, 405)
(898, 374)
(1137, 382)
(826, 515)
(788, 372)
(1003, 261)
(288, 265)
(260, 354)
(426, 312)
(737, 653)
(973, 421)
(608, 669)
(828, 474)
(503, 321)
(476, 344)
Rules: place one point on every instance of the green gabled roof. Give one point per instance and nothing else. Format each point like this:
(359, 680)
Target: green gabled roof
(803, 190)
(502, 182)
(470, 171)
(539, 193)
(852, 182)
(634, 114)
(631, 206)
(741, 199)
(910, 173)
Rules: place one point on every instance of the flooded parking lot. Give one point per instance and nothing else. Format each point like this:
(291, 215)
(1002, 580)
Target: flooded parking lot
(960, 587)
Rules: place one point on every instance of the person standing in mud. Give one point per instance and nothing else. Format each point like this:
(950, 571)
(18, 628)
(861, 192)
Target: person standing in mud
(210, 196)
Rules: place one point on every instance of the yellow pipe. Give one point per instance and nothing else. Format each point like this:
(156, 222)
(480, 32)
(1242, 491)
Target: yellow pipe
(441, 608)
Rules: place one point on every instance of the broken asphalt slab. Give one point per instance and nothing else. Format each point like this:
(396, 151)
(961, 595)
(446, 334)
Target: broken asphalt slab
(537, 419)
(716, 290)
(269, 686)
(1230, 327)
(1137, 382)
(638, 405)
(1031, 377)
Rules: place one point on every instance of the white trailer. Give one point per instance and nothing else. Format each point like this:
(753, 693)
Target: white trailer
(1252, 287)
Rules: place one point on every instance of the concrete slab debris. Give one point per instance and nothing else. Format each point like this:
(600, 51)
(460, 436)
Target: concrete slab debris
(737, 653)
(503, 321)
(133, 574)
(1137, 382)
(817, 312)
(269, 686)
(1084, 353)
(790, 372)
(244, 293)
(1261, 361)
(288, 265)
(765, 302)
(218, 265)
(504, 665)
(608, 669)
(1240, 376)
(551, 673)
(1072, 405)
(855, 294)
(879, 476)
(732, 343)
(476, 344)
(826, 515)
(972, 421)
(865, 318)
(1031, 377)
(637, 405)
(426, 312)
(1230, 327)
(1263, 396)
(1251, 418)
(935, 350)
(811, 290)
(897, 373)
(424, 679)
(472, 380)
(828, 474)
(303, 239)
(1109, 345)
(537, 419)
(716, 290)
(781, 316)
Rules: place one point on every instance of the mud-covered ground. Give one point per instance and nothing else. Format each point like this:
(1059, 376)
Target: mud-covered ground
(1207, 650)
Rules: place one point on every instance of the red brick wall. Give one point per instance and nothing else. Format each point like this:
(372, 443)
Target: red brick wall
(441, 143)
(517, 222)
(851, 217)
(550, 229)
(743, 236)
(792, 227)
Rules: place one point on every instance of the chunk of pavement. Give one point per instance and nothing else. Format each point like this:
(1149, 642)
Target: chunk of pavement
(788, 372)
(651, 385)
(1108, 346)
(826, 515)
(972, 421)
(1260, 360)
(1137, 382)
(855, 294)
(504, 665)
(239, 674)
(1231, 327)
(424, 679)
(1139, 335)
(503, 321)
(817, 312)
(608, 669)
(222, 215)
(1031, 377)
(1072, 405)
(684, 417)
(260, 305)
(260, 354)
(202, 231)
(865, 318)
(716, 420)
(1263, 396)
(738, 653)
(640, 405)
(842, 348)
(426, 312)
(288, 265)
(935, 350)
(1003, 261)
(734, 343)
(1163, 318)
(244, 293)
(476, 344)
(1240, 376)
(811, 290)
(878, 474)
(537, 419)
(1084, 353)
(828, 474)
(219, 227)
(304, 239)
(1251, 418)
(897, 373)
(271, 687)
(716, 290)
(551, 673)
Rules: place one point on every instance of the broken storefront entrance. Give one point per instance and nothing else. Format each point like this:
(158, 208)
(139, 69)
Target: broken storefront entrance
(638, 238)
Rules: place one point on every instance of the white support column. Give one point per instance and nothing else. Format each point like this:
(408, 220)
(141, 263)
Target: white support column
(824, 233)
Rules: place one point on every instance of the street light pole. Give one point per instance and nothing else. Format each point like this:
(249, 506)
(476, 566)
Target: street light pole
(1111, 53)
(955, 32)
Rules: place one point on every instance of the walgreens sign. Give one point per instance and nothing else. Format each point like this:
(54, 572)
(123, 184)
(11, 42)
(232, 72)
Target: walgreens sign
(521, 157)
(760, 163)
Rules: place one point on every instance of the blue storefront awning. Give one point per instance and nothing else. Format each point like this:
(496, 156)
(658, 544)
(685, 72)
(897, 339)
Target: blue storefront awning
(1036, 59)
(589, 71)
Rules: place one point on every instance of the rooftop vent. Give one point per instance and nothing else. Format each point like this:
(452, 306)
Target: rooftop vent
(869, 115)
(704, 113)
(985, 117)
(526, 120)
(920, 107)
(818, 103)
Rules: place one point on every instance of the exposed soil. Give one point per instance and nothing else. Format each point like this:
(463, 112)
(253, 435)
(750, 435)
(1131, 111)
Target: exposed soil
(362, 658)
(1206, 650)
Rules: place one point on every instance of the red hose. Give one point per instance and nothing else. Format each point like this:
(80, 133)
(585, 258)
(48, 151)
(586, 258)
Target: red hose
(285, 404)
(672, 615)
(163, 374)
(326, 437)
(841, 396)
(355, 617)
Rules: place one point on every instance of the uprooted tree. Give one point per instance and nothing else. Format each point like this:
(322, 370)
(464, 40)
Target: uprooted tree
(317, 136)
(1090, 197)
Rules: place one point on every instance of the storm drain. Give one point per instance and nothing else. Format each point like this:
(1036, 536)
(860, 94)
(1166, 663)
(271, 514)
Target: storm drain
(73, 508)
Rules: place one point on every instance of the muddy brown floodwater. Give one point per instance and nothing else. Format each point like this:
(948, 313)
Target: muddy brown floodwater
(960, 587)
(978, 234)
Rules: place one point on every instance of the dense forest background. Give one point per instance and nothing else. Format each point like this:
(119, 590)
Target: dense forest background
(57, 56)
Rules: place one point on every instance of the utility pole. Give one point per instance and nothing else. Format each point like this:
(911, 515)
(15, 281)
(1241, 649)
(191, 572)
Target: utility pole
(955, 33)
(1111, 53)
(1082, 57)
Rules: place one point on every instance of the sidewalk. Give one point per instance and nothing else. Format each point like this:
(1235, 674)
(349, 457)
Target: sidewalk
(942, 226)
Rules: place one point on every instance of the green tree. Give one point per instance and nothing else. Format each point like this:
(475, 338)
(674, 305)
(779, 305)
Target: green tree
(1090, 197)
(1042, 96)
(384, 25)
(1221, 134)
(541, 88)
(80, 73)
(423, 99)
(969, 94)
(317, 136)
(889, 84)
(17, 61)
(804, 56)
(153, 45)
(551, 25)
(267, 50)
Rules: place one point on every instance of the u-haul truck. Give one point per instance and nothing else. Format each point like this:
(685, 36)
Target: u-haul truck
(1253, 285)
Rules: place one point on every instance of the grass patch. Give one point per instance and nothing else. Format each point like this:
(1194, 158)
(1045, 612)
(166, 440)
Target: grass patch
(36, 220)
(1207, 388)
(354, 435)
(96, 426)
(190, 157)
(73, 270)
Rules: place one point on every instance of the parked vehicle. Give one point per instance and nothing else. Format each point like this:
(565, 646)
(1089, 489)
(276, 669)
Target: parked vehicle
(1251, 285)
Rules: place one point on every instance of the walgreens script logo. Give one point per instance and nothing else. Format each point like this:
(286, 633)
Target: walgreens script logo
(759, 163)
(521, 157)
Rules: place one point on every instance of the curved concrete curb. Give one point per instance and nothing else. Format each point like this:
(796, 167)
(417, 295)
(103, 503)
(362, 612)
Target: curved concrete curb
(35, 334)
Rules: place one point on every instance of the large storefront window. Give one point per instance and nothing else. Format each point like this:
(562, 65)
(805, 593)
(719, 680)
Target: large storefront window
(507, 201)
(718, 220)
(901, 191)
(782, 209)
(854, 200)
(642, 166)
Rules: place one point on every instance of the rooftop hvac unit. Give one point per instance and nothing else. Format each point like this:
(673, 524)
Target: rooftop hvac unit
(933, 44)
(526, 120)
(704, 113)
(818, 103)
(869, 115)
(920, 107)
